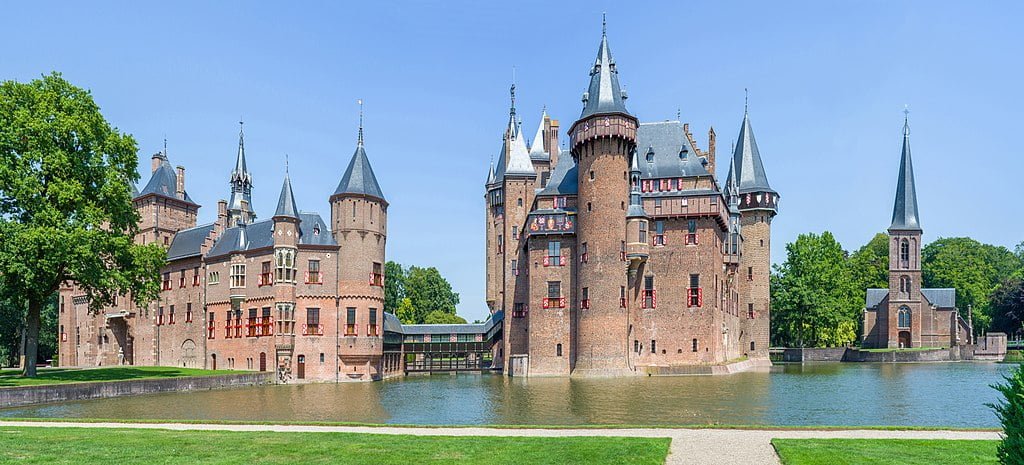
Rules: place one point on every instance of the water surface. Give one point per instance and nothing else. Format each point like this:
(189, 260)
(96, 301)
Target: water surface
(932, 394)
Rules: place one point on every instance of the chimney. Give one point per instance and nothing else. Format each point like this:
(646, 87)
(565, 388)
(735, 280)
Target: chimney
(180, 188)
(711, 150)
(222, 215)
(553, 142)
(157, 159)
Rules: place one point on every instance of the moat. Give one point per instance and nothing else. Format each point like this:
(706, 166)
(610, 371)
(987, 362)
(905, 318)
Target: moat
(927, 394)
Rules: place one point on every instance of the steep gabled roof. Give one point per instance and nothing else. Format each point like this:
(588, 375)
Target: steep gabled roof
(189, 242)
(519, 156)
(665, 152)
(312, 231)
(604, 96)
(904, 209)
(749, 170)
(164, 182)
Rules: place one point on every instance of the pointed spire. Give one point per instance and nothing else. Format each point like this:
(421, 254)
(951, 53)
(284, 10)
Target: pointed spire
(904, 210)
(604, 94)
(240, 204)
(241, 171)
(359, 142)
(518, 155)
(490, 172)
(286, 207)
(748, 169)
(537, 146)
(359, 178)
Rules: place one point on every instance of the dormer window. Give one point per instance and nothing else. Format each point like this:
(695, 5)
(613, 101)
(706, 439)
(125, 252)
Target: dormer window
(683, 152)
(650, 154)
(316, 229)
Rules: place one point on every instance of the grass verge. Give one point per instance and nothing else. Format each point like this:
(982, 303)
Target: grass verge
(13, 378)
(95, 445)
(885, 452)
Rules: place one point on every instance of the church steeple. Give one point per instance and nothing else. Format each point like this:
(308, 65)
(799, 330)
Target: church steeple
(604, 94)
(904, 210)
(240, 205)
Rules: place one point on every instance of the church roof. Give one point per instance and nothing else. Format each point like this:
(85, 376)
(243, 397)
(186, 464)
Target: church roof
(749, 168)
(939, 297)
(904, 209)
(359, 177)
(665, 152)
(604, 96)
(164, 181)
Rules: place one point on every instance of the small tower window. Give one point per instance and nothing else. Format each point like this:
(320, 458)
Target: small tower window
(591, 175)
(905, 253)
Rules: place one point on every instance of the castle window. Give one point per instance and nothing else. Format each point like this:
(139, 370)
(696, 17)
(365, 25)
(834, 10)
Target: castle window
(237, 275)
(903, 317)
(657, 206)
(750, 311)
(313, 326)
(659, 232)
(171, 319)
(350, 321)
(554, 298)
(544, 179)
(585, 302)
(650, 299)
(518, 310)
(762, 242)
(252, 323)
(159, 316)
(591, 175)
(62, 304)
(691, 232)
(213, 278)
(181, 279)
(589, 207)
(195, 276)
(622, 245)
(694, 294)
(663, 185)
(558, 350)
(584, 257)
(313, 273)
(188, 312)
(654, 346)
(371, 329)
(636, 346)
(166, 282)
(694, 345)
(554, 257)
(752, 346)
(264, 278)
(321, 357)
(284, 266)
(501, 243)
(519, 202)
(622, 296)
(515, 267)
(650, 154)
(750, 273)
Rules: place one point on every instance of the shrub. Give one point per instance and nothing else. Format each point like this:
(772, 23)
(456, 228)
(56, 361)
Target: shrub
(1011, 414)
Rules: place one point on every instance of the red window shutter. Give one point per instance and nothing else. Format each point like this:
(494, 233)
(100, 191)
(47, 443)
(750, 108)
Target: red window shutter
(654, 299)
(561, 260)
(544, 303)
(700, 297)
(561, 302)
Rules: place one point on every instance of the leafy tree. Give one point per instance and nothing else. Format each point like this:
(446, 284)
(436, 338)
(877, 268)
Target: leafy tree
(438, 317)
(869, 266)
(65, 203)
(406, 312)
(1010, 411)
(429, 292)
(1007, 306)
(394, 286)
(973, 268)
(814, 299)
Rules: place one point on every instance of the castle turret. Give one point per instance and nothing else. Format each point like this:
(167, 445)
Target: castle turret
(758, 205)
(240, 204)
(905, 257)
(286, 240)
(359, 216)
(601, 142)
(163, 204)
(637, 247)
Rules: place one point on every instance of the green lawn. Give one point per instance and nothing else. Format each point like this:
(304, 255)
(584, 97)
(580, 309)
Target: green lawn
(885, 452)
(98, 445)
(12, 377)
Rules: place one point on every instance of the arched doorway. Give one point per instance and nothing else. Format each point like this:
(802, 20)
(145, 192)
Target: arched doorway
(188, 354)
(904, 339)
(301, 371)
(263, 361)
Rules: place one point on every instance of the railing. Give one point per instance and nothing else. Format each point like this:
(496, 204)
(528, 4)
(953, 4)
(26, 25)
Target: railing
(313, 329)
(377, 279)
(314, 277)
(553, 302)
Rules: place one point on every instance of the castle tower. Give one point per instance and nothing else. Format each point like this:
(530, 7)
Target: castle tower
(240, 205)
(493, 223)
(286, 239)
(904, 316)
(359, 218)
(518, 185)
(601, 142)
(758, 205)
(163, 205)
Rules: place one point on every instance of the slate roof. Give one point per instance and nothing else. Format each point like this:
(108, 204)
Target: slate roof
(749, 168)
(904, 209)
(665, 152)
(286, 201)
(537, 146)
(468, 328)
(604, 95)
(189, 242)
(519, 162)
(359, 177)
(260, 234)
(940, 297)
(564, 177)
(392, 324)
(163, 182)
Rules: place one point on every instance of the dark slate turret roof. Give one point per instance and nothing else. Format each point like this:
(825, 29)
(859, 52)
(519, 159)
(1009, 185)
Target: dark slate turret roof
(189, 242)
(286, 201)
(904, 210)
(670, 152)
(163, 182)
(359, 177)
(604, 94)
(636, 209)
(564, 177)
(749, 168)
(261, 234)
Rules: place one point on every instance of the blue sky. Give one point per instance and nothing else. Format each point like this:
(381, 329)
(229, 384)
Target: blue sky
(828, 82)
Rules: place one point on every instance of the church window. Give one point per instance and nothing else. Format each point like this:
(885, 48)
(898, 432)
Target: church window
(903, 317)
(237, 275)
(905, 253)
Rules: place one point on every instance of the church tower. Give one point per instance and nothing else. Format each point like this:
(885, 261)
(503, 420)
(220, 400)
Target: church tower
(240, 205)
(359, 218)
(758, 205)
(903, 321)
(601, 142)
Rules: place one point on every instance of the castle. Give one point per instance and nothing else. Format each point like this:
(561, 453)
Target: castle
(625, 255)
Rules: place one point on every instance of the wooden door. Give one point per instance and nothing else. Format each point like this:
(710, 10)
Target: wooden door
(302, 367)
(263, 361)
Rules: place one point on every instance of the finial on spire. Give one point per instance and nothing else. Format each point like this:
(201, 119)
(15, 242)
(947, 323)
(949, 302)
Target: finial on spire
(604, 23)
(679, 113)
(360, 140)
(286, 165)
(746, 100)
(512, 93)
(906, 120)
(165, 145)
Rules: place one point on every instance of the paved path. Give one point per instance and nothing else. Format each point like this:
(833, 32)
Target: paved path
(689, 446)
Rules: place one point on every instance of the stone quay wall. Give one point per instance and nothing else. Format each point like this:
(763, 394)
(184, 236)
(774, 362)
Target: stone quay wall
(28, 395)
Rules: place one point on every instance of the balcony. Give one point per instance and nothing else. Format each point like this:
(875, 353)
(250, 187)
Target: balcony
(553, 302)
(313, 329)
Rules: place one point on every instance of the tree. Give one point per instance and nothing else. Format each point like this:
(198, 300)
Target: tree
(1007, 306)
(973, 268)
(65, 203)
(1010, 411)
(869, 265)
(429, 292)
(438, 317)
(814, 299)
(406, 312)
(394, 286)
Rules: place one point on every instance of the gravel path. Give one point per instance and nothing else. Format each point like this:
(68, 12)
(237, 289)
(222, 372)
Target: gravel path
(689, 446)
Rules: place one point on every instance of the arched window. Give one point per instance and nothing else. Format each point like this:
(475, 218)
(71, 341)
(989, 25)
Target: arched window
(905, 253)
(905, 285)
(903, 317)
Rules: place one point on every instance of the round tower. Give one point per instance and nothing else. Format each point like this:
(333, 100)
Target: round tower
(601, 142)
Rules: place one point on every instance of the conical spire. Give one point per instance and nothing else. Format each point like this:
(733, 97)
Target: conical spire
(904, 210)
(636, 209)
(604, 94)
(537, 151)
(490, 173)
(518, 155)
(241, 172)
(359, 177)
(286, 201)
(240, 205)
(748, 168)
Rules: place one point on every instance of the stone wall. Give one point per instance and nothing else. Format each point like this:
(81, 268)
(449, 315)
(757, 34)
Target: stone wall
(27, 395)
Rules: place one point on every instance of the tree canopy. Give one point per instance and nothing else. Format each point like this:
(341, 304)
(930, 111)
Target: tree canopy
(973, 268)
(1007, 307)
(869, 265)
(66, 202)
(419, 295)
